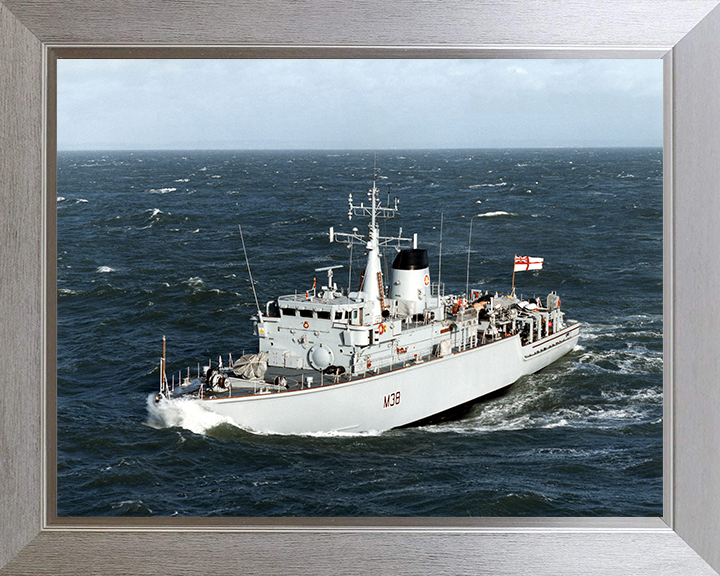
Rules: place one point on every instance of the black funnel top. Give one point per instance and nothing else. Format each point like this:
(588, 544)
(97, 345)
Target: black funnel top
(415, 259)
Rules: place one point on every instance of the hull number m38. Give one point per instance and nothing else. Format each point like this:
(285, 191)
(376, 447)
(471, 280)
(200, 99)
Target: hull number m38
(391, 400)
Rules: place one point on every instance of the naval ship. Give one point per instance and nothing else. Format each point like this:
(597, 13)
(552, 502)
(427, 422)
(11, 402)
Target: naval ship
(397, 352)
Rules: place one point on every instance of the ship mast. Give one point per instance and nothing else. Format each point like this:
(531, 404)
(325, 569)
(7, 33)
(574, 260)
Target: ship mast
(371, 288)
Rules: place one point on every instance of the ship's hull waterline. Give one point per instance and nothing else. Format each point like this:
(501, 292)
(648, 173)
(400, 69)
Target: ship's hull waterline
(400, 397)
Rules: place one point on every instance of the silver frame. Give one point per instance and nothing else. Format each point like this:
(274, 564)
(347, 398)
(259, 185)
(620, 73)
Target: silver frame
(32, 540)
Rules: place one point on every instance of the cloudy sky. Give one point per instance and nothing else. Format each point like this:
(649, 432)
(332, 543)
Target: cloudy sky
(360, 104)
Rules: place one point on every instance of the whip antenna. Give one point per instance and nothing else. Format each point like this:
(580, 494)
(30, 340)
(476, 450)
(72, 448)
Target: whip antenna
(247, 262)
(440, 256)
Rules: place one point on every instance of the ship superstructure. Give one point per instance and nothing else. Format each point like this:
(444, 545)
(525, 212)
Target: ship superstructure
(396, 352)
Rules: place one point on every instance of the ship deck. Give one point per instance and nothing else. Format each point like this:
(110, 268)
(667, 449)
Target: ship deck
(298, 379)
(303, 379)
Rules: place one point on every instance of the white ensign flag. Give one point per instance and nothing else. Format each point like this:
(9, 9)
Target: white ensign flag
(523, 263)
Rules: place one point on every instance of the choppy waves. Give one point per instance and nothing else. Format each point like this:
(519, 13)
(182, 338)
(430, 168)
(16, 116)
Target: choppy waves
(148, 246)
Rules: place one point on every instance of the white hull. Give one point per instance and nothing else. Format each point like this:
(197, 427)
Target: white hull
(400, 397)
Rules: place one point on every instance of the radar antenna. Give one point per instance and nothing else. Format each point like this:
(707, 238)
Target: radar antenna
(329, 270)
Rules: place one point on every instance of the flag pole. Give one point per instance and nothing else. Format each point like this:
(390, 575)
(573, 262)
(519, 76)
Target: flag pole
(512, 290)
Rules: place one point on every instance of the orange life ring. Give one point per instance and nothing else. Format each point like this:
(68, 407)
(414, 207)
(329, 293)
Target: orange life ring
(306, 325)
(381, 329)
(427, 280)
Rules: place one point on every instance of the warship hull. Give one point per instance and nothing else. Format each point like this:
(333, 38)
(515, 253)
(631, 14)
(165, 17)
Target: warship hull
(396, 398)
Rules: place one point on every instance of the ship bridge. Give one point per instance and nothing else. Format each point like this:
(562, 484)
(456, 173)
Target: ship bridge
(337, 308)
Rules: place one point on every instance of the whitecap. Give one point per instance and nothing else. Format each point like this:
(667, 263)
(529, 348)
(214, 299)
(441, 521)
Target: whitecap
(645, 395)
(125, 503)
(488, 185)
(195, 281)
(105, 270)
(560, 423)
(60, 198)
(498, 213)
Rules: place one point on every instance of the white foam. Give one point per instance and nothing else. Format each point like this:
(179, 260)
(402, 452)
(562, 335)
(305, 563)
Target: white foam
(559, 424)
(104, 270)
(521, 411)
(498, 213)
(336, 434)
(504, 414)
(645, 395)
(60, 198)
(126, 503)
(633, 359)
(488, 185)
(188, 413)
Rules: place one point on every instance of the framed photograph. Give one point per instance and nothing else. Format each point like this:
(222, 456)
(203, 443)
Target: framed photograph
(340, 437)
(684, 540)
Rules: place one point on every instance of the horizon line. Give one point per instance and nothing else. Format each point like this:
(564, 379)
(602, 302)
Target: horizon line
(560, 147)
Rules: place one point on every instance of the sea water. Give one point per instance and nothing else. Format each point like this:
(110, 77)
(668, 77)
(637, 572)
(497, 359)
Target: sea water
(148, 245)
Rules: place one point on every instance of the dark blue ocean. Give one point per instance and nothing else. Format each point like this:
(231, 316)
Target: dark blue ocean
(148, 245)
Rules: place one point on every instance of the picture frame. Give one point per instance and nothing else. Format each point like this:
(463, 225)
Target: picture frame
(685, 33)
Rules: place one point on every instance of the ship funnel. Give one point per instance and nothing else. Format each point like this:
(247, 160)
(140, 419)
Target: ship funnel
(410, 281)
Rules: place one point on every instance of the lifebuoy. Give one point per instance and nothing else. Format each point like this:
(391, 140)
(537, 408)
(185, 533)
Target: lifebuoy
(306, 325)
(427, 280)
(381, 329)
